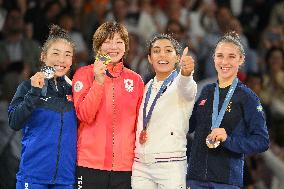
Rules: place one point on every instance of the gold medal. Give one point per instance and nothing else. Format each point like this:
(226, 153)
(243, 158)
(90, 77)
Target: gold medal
(212, 144)
(103, 57)
(143, 136)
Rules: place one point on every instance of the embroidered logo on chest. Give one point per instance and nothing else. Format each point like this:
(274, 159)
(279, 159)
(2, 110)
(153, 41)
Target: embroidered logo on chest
(128, 84)
(229, 107)
(45, 98)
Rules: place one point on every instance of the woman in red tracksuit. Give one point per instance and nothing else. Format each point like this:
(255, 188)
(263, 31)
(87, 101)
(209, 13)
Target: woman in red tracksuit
(107, 99)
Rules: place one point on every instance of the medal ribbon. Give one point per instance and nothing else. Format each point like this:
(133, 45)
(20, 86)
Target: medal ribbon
(147, 117)
(218, 117)
(44, 88)
(116, 74)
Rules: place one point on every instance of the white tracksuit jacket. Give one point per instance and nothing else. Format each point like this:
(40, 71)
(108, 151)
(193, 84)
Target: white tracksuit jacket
(169, 123)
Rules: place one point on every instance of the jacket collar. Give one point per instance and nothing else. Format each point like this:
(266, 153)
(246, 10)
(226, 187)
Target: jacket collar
(115, 70)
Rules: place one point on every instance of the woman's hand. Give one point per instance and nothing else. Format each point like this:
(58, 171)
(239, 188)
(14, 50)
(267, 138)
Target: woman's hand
(37, 80)
(186, 63)
(99, 71)
(218, 134)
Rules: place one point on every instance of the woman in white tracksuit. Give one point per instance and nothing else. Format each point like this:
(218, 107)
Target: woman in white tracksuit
(160, 153)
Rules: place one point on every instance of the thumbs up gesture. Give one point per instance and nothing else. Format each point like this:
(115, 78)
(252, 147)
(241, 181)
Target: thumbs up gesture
(186, 63)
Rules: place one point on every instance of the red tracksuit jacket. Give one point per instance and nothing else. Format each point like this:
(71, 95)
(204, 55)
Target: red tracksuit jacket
(107, 117)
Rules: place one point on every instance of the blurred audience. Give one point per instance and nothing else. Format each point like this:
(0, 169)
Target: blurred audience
(81, 51)
(273, 90)
(19, 56)
(194, 23)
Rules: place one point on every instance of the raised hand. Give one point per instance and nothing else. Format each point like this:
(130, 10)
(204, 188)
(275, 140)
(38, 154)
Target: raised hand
(186, 63)
(37, 80)
(99, 71)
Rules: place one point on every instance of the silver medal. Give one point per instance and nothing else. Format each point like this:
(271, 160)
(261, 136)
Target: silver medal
(48, 71)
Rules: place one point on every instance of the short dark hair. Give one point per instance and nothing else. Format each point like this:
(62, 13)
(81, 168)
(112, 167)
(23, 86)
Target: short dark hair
(107, 30)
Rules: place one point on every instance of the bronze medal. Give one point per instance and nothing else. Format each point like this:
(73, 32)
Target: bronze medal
(212, 144)
(143, 136)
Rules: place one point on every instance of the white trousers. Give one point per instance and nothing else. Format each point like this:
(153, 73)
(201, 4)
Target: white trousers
(162, 175)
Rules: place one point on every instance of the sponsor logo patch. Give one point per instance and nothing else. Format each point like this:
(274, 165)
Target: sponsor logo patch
(45, 99)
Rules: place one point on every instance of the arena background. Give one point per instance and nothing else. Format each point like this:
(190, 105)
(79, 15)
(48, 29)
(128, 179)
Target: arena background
(194, 23)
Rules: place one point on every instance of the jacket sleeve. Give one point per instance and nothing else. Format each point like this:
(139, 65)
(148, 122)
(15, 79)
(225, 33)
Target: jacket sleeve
(22, 105)
(141, 92)
(187, 87)
(255, 139)
(87, 94)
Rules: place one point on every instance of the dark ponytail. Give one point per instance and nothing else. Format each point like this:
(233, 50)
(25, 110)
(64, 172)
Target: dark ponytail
(57, 33)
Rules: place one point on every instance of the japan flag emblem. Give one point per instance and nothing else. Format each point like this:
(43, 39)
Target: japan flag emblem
(128, 84)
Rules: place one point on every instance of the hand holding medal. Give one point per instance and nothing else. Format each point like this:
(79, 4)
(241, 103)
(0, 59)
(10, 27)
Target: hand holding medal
(37, 80)
(219, 134)
(215, 137)
(105, 58)
(211, 144)
(100, 67)
(48, 73)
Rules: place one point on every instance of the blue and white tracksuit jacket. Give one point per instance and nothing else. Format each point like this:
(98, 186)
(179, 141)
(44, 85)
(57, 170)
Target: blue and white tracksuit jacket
(49, 128)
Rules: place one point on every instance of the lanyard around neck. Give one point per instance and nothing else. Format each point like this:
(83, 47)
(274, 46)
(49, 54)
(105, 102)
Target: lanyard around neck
(147, 117)
(217, 117)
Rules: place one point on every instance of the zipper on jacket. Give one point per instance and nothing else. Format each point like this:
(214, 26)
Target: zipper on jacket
(113, 122)
(59, 145)
(206, 165)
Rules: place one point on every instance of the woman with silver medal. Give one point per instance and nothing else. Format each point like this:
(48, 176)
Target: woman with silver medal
(232, 115)
(43, 108)
(160, 148)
